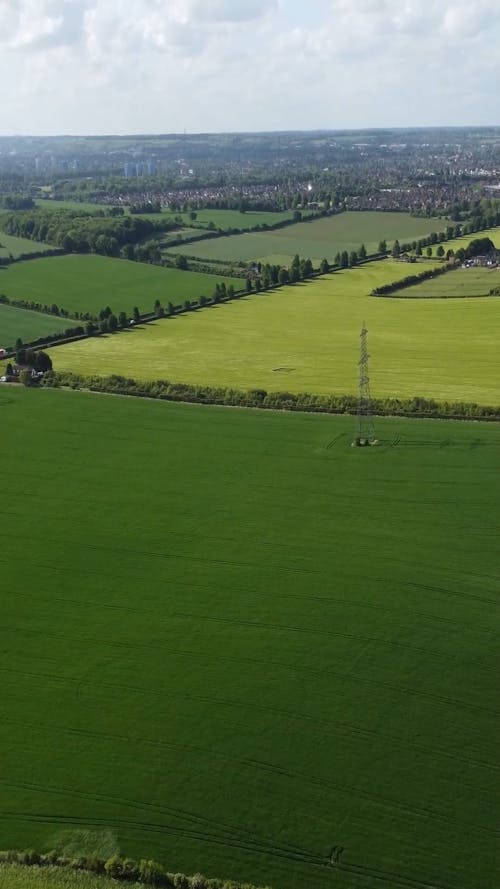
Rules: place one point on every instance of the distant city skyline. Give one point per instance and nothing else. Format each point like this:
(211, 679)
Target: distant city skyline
(99, 67)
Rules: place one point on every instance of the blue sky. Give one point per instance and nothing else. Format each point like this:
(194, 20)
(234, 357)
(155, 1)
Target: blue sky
(96, 66)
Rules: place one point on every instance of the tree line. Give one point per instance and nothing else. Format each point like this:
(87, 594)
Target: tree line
(43, 308)
(477, 247)
(124, 870)
(260, 398)
(17, 202)
(82, 232)
(411, 280)
(479, 223)
(34, 254)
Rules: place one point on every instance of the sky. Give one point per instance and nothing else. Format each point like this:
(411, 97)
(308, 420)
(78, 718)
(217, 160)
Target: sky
(162, 66)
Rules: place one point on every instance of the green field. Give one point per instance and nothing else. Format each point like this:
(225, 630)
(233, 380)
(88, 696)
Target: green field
(221, 218)
(89, 283)
(317, 239)
(235, 219)
(458, 283)
(27, 325)
(305, 339)
(245, 648)
(12, 246)
(83, 206)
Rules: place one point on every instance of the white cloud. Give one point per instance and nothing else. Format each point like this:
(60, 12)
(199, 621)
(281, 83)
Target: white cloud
(247, 64)
(231, 11)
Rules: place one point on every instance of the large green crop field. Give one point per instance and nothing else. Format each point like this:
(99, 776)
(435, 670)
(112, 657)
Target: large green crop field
(305, 339)
(27, 325)
(459, 282)
(317, 239)
(240, 646)
(12, 246)
(89, 283)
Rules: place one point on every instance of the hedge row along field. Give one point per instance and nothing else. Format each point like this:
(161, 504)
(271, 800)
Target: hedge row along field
(305, 338)
(238, 645)
(39, 868)
(166, 390)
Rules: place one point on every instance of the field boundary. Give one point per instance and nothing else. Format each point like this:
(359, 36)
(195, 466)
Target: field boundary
(78, 332)
(164, 390)
(123, 870)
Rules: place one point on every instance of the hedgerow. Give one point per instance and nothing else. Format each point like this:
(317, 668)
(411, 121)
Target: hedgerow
(260, 398)
(124, 870)
(411, 280)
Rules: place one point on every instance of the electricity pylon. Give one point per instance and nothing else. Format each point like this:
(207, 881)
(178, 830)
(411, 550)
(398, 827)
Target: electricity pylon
(365, 430)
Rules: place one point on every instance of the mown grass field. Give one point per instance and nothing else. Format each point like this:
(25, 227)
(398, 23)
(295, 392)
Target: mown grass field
(12, 246)
(305, 339)
(458, 283)
(16, 877)
(27, 325)
(242, 647)
(89, 283)
(317, 239)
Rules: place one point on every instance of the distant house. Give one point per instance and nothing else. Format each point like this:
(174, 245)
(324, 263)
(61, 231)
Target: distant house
(17, 368)
(486, 260)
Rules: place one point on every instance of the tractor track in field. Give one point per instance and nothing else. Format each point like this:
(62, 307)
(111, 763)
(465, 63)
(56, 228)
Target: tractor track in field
(448, 592)
(188, 824)
(167, 555)
(371, 640)
(351, 791)
(351, 677)
(294, 854)
(338, 727)
(240, 840)
(143, 646)
(310, 597)
(76, 682)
